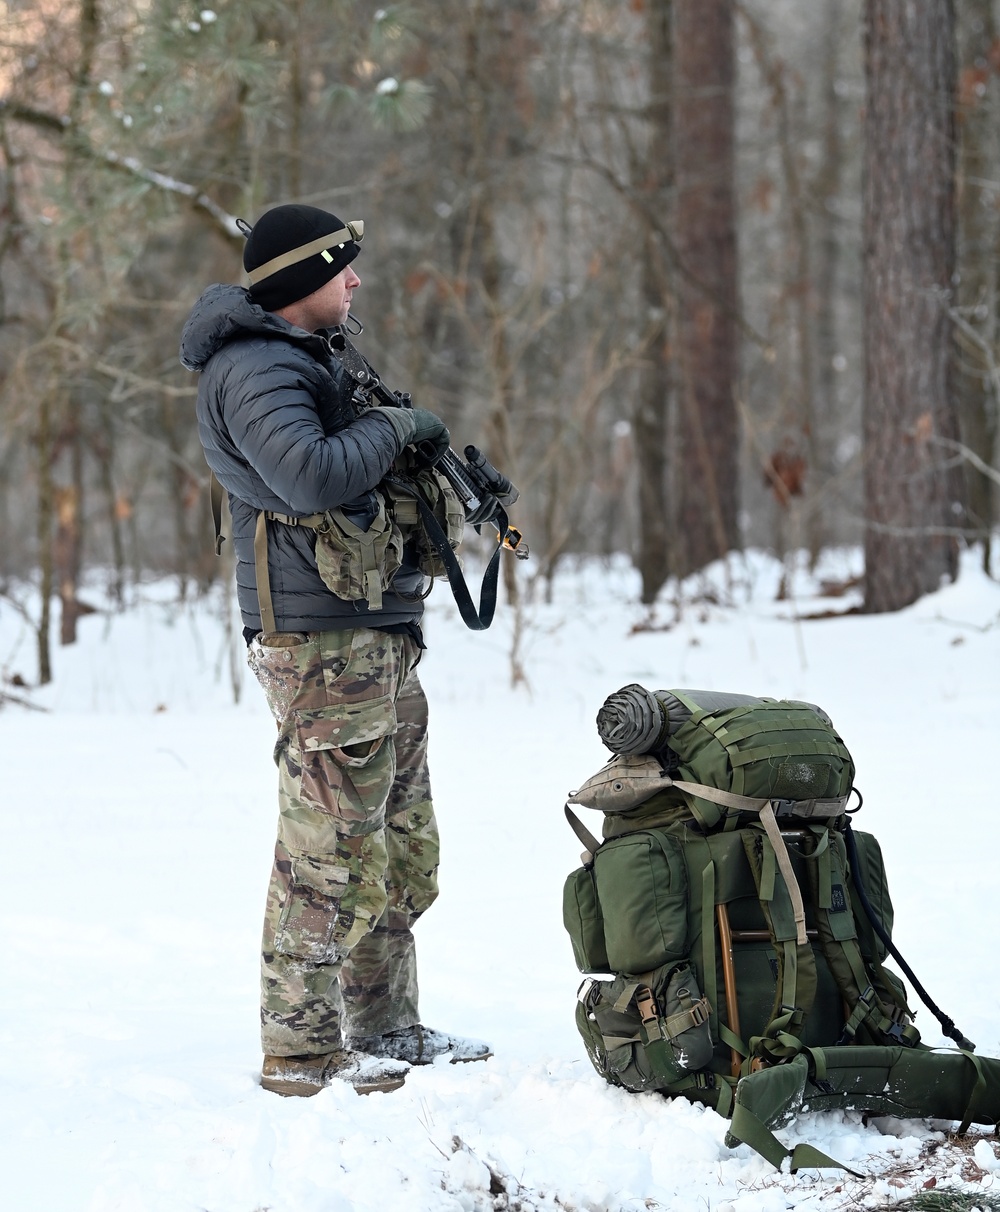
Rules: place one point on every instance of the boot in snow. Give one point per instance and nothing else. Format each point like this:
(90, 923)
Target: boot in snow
(420, 1045)
(307, 1075)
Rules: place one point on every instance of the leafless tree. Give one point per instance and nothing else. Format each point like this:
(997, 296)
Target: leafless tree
(912, 504)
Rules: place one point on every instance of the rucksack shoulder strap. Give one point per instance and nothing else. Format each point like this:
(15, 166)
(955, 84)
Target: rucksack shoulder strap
(591, 844)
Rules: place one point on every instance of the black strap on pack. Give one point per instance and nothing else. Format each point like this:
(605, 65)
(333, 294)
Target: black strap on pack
(947, 1024)
(475, 620)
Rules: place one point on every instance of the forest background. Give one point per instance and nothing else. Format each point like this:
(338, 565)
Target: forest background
(697, 274)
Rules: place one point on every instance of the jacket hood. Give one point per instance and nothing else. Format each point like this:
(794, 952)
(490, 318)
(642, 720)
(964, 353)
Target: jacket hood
(222, 313)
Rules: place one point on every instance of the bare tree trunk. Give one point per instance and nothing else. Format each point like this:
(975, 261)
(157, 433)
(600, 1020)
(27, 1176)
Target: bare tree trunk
(826, 187)
(45, 514)
(975, 386)
(707, 474)
(68, 543)
(650, 421)
(909, 221)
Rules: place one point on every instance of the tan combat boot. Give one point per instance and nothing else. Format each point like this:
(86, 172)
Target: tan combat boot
(307, 1075)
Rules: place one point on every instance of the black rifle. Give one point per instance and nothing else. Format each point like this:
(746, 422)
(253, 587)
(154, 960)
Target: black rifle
(483, 491)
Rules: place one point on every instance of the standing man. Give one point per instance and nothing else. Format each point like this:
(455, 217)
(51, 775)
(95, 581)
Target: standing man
(293, 443)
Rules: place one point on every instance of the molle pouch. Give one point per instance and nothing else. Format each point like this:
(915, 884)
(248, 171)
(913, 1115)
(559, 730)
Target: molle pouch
(355, 564)
(438, 495)
(686, 1020)
(646, 1036)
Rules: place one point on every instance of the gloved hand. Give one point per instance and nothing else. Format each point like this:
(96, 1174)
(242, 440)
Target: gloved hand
(430, 434)
(488, 505)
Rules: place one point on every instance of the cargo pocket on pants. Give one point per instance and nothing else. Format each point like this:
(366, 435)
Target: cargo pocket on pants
(347, 763)
(313, 926)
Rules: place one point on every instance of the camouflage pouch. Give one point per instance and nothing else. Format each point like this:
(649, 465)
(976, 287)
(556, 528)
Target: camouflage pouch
(355, 564)
(649, 1033)
(443, 502)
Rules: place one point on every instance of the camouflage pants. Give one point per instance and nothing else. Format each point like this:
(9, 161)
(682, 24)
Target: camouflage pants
(356, 858)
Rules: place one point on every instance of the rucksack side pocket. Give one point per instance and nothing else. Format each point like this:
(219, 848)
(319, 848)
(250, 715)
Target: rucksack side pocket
(641, 884)
(584, 921)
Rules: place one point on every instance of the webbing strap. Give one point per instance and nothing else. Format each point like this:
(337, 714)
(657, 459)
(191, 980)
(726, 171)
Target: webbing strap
(788, 874)
(977, 1088)
(749, 803)
(709, 975)
(823, 857)
(626, 995)
(745, 1126)
(475, 620)
(780, 720)
(591, 844)
(265, 604)
(696, 1014)
(768, 871)
(789, 985)
(731, 1040)
(745, 757)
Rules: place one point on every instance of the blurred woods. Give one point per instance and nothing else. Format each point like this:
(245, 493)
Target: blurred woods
(696, 274)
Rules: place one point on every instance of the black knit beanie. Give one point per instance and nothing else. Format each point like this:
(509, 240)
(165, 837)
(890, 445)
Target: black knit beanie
(289, 253)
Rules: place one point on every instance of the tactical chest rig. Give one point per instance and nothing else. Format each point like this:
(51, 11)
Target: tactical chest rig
(423, 502)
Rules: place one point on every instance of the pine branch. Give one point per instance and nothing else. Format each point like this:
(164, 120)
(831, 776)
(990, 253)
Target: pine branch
(63, 126)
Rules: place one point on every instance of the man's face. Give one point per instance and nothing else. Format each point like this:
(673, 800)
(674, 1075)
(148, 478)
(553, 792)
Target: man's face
(330, 304)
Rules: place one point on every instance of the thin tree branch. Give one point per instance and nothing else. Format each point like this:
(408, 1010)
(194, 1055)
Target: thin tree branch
(63, 126)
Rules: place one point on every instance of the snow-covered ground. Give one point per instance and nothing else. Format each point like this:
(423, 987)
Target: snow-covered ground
(136, 820)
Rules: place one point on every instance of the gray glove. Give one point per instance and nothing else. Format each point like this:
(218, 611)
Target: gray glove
(486, 510)
(417, 425)
(430, 434)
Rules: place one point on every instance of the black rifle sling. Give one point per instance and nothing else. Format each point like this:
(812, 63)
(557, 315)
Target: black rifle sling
(947, 1024)
(475, 620)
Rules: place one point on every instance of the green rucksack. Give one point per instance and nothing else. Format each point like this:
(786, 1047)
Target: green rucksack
(734, 928)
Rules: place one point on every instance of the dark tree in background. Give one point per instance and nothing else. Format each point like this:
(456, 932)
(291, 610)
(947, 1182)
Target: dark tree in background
(978, 232)
(555, 194)
(653, 387)
(911, 500)
(707, 467)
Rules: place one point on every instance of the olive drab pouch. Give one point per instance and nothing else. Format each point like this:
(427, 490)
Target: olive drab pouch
(357, 564)
(648, 1032)
(442, 500)
(584, 922)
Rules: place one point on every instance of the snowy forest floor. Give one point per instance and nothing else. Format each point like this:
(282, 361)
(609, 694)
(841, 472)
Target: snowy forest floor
(137, 817)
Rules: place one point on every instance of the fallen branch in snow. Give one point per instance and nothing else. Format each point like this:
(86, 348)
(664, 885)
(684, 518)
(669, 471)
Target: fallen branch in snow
(6, 698)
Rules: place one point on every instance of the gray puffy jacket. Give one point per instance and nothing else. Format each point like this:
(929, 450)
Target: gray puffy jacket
(281, 433)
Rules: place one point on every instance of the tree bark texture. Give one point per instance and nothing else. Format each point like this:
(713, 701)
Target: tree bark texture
(909, 231)
(651, 429)
(707, 470)
(979, 163)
